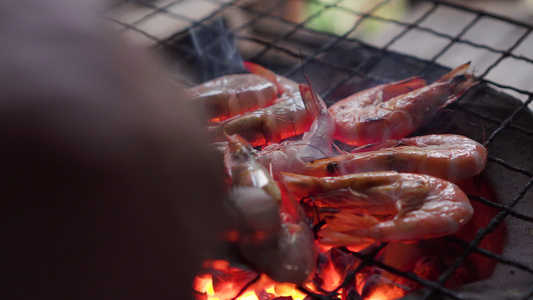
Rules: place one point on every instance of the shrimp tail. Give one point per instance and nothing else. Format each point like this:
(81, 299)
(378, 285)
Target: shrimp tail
(266, 73)
(462, 82)
(402, 87)
(459, 82)
(461, 70)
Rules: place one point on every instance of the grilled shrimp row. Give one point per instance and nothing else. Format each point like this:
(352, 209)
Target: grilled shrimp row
(395, 189)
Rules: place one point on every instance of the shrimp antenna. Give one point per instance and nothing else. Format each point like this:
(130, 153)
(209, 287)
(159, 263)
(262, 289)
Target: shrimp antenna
(313, 95)
(337, 148)
(483, 130)
(302, 59)
(307, 79)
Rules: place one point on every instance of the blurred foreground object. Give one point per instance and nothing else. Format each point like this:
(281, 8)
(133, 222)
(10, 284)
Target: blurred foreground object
(104, 169)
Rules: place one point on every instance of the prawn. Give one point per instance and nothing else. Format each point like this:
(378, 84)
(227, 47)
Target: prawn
(389, 112)
(291, 156)
(270, 242)
(228, 96)
(373, 207)
(289, 116)
(447, 156)
(231, 95)
(244, 169)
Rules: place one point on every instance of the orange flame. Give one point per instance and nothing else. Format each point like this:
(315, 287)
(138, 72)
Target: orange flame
(203, 284)
(227, 290)
(387, 293)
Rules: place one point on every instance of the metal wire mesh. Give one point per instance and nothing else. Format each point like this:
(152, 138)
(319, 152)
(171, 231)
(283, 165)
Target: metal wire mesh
(293, 46)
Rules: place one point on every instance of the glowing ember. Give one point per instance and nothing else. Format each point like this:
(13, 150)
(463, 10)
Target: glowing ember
(223, 282)
(264, 288)
(387, 294)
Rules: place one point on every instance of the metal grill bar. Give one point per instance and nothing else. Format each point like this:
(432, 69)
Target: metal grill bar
(481, 12)
(499, 258)
(372, 261)
(455, 39)
(507, 87)
(195, 23)
(508, 53)
(415, 24)
(334, 41)
(472, 246)
(508, 121)
(231, 32)
(311, 57)
(300, 26)
(157, 10)
(496, 121)
(507, 166)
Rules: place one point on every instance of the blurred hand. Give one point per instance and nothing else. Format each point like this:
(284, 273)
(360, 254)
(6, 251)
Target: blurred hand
(107, 188)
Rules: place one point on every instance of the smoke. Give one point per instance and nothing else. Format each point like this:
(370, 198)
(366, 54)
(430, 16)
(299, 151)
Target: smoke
(216, 51)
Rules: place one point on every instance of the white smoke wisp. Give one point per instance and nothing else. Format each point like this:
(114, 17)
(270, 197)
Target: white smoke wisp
(216, 50)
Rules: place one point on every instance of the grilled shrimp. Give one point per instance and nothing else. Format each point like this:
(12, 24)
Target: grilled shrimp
(245, 170)
(228, 96)
(382, 206)
(447, 156)
(376, 95)
(291, 156)
(374, 116)
(271, 243)
(231, 95)
(289, 116)
(283, 250)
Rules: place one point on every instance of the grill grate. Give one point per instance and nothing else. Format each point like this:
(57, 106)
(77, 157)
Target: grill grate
(496, 112)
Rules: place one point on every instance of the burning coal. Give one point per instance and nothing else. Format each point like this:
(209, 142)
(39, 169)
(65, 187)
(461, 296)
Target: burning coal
(339, 275)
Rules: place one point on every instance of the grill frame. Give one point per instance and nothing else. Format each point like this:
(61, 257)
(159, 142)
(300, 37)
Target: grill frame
(515, 198)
